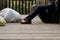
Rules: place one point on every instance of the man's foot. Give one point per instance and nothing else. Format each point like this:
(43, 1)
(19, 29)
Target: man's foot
(25, 22)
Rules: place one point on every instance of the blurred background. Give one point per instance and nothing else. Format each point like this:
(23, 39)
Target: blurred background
(22, 6)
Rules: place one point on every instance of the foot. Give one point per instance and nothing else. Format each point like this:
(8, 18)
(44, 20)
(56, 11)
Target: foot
(25, 22)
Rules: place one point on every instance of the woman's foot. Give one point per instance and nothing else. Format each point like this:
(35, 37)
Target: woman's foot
(25, 21)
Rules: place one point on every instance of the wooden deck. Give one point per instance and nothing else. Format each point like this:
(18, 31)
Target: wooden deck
(35, 31)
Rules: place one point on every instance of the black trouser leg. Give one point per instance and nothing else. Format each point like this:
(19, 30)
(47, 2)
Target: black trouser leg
(33, 13)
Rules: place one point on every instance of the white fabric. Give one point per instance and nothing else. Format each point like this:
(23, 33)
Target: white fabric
(10, 14)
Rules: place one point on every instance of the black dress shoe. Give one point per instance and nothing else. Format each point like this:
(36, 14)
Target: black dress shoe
(26, 22)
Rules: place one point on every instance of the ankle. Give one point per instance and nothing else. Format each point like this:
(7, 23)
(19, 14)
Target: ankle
(26, 20)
